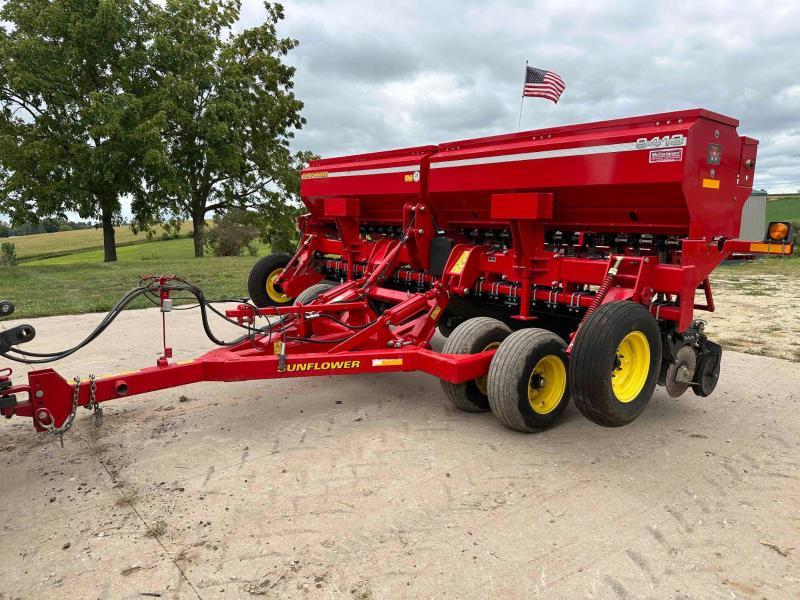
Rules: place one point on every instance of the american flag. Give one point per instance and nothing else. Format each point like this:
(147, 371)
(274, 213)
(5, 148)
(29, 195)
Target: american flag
(542, 84)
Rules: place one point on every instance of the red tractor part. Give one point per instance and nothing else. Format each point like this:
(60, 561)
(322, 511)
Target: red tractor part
(561, 262)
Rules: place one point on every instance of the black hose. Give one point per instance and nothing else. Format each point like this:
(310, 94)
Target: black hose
(148, 291)
(45, 357)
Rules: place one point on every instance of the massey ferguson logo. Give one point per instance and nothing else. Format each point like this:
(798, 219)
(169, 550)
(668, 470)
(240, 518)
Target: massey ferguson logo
(661, 156)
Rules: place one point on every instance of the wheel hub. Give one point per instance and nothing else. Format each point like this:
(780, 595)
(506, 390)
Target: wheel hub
(631, 366)
(272, 291)
(547, 384)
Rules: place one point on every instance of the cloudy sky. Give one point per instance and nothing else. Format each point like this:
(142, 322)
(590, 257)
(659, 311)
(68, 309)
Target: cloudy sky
(377, 75)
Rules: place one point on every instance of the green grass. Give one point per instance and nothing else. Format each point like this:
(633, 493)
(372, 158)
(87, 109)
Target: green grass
(784, 208)
(60, 243)
(80, 282)
(153, 251)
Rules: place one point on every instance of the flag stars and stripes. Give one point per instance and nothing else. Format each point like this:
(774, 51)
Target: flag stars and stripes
(542, 84)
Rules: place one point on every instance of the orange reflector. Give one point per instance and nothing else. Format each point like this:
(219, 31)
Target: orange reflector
(778, 231)
(764, 248)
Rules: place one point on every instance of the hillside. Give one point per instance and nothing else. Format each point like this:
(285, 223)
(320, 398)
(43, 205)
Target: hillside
(60, 243)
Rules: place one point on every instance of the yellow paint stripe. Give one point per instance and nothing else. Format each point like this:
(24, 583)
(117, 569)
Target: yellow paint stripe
(763, 248)
(711, 183)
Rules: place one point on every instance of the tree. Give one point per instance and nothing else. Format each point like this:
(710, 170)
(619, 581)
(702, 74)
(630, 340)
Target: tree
(75, 119)
(230, 113)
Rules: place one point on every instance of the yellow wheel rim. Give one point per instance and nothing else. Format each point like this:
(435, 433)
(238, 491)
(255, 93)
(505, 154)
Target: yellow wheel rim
(631, 366)
(273, 293)
(480, 382)
(547, 384)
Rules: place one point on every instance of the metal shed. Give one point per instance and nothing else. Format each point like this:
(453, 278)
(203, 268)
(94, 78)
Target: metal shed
(754, 217)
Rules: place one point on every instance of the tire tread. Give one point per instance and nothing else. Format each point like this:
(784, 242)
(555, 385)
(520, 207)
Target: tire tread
(462, 341)
(507, 368)
(586, 376)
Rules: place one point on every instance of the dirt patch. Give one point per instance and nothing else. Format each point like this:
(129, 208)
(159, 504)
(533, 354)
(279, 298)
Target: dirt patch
(157, 529)
(379, 488)
(756, 312)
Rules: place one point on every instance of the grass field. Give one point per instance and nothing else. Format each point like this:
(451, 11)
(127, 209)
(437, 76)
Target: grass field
(783, 208)
(81, 282)
(42, 245)
(156, 252)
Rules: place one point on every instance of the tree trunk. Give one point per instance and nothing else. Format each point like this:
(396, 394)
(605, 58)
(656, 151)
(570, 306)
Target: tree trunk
(109, 243)
(199, 232)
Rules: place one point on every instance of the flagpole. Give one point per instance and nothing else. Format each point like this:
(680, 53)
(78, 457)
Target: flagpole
(519, 120)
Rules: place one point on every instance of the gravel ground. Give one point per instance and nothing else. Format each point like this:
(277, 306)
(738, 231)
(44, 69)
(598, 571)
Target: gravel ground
(757, 313)
(374, 487)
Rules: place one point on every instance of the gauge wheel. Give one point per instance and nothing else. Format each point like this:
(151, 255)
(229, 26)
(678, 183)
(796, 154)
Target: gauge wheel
(471, 337)
(313, 292)
(528, 388)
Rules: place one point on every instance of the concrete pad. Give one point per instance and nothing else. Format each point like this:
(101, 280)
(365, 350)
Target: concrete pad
(375, 487)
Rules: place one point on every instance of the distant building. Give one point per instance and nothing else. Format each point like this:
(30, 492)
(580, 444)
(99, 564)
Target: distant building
(754, 217)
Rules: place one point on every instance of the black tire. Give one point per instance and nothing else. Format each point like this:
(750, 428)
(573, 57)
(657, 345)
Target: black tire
(470, 337)
(313, 292)
(528, 388)
(609, 388)
(445, 330)
(258, 284)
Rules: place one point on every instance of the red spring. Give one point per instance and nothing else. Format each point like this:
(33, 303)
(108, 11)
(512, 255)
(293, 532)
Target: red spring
(596, 302)
(598, 297)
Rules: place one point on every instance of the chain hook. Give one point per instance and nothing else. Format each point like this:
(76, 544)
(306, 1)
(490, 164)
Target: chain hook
(67, 424)
(93, 404)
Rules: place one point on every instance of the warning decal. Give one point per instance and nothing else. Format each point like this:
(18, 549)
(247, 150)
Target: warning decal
(666, 155)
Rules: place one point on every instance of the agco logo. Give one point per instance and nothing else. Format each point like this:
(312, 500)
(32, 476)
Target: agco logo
(667, 141)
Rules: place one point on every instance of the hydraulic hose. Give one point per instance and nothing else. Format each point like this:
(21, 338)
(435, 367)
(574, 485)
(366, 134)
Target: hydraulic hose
(37, 358)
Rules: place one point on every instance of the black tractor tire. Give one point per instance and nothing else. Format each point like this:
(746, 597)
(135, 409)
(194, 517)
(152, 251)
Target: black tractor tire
(259, 283)
(471, 337)
(313, 292)
(528, 387)
(615, 363)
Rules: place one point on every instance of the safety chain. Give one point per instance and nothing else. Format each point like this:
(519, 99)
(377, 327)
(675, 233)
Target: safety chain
(96, 410)
(93, 405)
(92, 387)
(67, 424)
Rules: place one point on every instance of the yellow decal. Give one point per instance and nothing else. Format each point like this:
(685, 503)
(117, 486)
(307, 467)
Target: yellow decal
(324, 366)
(460, 263)
(409, 178)
(387, 362)
(314, 175)
(711, 183)
(771, 248)
(435, 312)
(277, 347)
